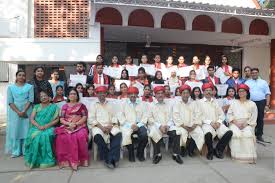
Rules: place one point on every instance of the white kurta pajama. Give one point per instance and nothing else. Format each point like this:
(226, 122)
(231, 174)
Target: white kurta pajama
(131, 114)
(102, 114)
(160, 114)
(212, 112)
(243, 142)
(188, 114)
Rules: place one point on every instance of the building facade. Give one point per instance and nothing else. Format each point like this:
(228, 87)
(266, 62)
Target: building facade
(59, 33)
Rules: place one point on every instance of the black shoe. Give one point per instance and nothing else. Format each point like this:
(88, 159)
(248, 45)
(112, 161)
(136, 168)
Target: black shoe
(183, 152)
(219, 154)
(115, 164)
(209, 156)
(177, 158)
(141, 158)
(260, 138)
(132, 158)
(157, 159)
(109, 165)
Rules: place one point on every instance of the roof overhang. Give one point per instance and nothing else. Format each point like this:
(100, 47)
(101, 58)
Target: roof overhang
(180, 5)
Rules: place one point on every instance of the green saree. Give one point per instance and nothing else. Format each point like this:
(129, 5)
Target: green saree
(39, 143)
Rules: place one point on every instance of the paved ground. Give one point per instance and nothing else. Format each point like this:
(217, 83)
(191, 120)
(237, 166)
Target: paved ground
(193, 170)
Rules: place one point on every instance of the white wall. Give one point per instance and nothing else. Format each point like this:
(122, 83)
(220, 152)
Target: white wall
(258, 57)
(11, 26)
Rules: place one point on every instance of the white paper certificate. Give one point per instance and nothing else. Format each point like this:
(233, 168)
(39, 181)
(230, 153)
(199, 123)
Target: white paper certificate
(184, 71)
(74, 79)
(222, 89)
(220, 74)
(132, 70)
(149, 69)
(114, 72)
(200, 73)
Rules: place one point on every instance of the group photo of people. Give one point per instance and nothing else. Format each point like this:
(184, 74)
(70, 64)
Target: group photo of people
(137, 108)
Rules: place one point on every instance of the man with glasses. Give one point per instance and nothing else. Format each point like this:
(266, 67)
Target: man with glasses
(260, 94)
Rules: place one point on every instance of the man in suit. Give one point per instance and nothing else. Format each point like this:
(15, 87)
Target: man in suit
(211, 78)
(98, 77)
(235, 80)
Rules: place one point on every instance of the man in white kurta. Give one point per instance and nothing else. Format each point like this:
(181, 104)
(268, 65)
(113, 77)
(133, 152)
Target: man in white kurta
(187, 118)
(160, 123)
(242, 117)
(133, 121)
(104, 127)
(212, 119)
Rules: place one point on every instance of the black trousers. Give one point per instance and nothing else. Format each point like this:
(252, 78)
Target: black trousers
(223, 142)
(141, 141)
(260, 119)
(109, 155)
(175, 143)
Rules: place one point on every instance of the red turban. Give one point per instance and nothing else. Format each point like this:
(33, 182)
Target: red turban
(133, 90)
(207, 85)
(101, 89)
(185, 87)
(159, 88)
(243, 86)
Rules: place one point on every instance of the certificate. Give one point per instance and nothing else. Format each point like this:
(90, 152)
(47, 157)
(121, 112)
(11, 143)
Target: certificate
(173, 88)
(194, 84)
(74, 79)
(140, 88)
(200, 73)
(222, 89)
(184, 71)
(118, 83)
(149, 69)
(132, 70)
(114, 72)
(220, 74)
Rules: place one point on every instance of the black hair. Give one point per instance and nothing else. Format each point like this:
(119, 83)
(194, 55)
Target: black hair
(247, 67)
(127, 77)
(193, 93)
(147, 86)
(89, 86)
(215, 88)
(77, 94)
(236, 69)
(255, 69)
(227, 91)
(78, 84)
(141, 69)
(211, 67)
(59, 86)
(82, 63)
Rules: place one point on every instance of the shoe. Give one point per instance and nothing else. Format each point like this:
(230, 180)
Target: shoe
(115, 164)
(191, 154)
(177, 158)
(157, 159)
(219, 154)
(209, 156)
(109, 165)
(260, 138)
(183, 152)
(141, 158)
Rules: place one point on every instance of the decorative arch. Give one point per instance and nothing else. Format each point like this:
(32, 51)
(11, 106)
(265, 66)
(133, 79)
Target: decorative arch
(141, 17)
(232, 25)
(258, 27)
(109, 16)
(203, 23)
(172, 20)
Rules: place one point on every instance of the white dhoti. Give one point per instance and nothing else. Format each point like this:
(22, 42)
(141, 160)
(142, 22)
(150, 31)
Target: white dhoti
(219, 132)
(156, 134)
(95, 131)
(197, 135)
(126, 136)
(243, 144)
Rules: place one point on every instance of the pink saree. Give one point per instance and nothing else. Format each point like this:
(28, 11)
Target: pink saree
(72, 145)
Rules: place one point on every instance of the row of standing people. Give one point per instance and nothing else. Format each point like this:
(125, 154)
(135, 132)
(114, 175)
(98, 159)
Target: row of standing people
(72, 136)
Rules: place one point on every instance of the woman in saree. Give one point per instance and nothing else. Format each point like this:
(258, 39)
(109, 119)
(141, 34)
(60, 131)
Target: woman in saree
(40, 138)
(72, 136)
(19, 99)
(242, 117)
